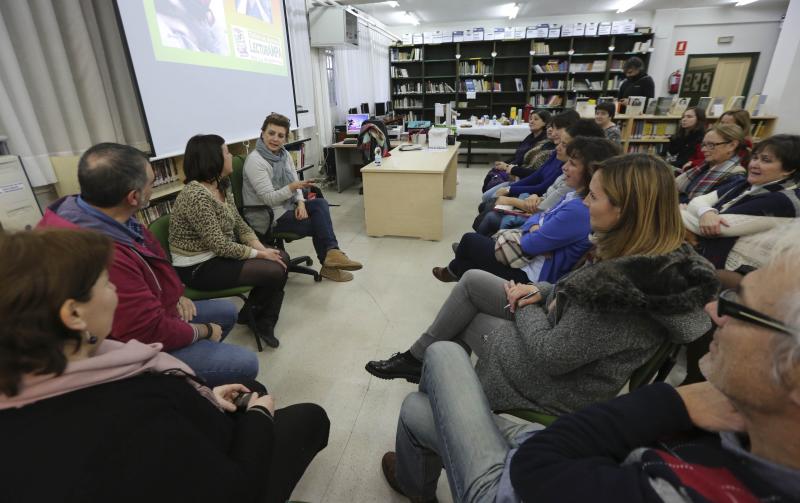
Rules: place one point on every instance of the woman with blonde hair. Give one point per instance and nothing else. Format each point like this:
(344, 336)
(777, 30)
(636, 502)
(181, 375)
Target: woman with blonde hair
(722, 146)
(558, 347)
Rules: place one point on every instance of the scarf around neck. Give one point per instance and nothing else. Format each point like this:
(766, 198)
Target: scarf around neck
(701, 180)
(113, 361)
(282, 166)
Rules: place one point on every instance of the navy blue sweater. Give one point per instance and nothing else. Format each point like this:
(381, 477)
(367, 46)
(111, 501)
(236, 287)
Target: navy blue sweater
(600, 455)
(540, 181)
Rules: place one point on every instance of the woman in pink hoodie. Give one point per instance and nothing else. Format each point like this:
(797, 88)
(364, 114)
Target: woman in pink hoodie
(83, 418)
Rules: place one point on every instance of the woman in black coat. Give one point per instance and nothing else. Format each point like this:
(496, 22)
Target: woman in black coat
(84, 419)
(684, 146)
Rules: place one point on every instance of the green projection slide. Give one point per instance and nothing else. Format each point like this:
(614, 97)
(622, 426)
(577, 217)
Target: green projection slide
(234, 34)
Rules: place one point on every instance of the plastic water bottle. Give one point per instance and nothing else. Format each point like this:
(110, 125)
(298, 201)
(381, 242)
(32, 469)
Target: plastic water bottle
(378, 156)
(494, 120)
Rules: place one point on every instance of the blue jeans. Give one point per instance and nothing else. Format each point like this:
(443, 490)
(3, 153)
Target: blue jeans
(215, 362)
(449, 422)
(490, 194)
(318, 225)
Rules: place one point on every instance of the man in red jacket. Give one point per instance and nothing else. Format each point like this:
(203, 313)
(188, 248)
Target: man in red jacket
(116, 181)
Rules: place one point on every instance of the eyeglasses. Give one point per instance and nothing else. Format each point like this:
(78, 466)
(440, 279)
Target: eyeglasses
(727, 305)
(710, 145)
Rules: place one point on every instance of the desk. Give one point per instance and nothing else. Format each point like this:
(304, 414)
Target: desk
(403, 196)
(348, 159)
(505, 134)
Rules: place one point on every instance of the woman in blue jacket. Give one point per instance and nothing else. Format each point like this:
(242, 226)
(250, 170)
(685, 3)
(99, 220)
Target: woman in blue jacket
(553, 241)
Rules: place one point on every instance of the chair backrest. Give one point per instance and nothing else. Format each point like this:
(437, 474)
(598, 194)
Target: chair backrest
(160, 229)
(644, 374)
(237, 181)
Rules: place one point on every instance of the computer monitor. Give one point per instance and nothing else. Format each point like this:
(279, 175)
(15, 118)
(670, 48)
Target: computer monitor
(389, 106)
(365, 108)
(354, 122)
(380, 108)
(353, 110)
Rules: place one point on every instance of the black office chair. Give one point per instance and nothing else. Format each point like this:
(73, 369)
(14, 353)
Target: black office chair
(268, 236)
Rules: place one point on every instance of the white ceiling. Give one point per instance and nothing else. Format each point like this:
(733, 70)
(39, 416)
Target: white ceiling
(446, 11)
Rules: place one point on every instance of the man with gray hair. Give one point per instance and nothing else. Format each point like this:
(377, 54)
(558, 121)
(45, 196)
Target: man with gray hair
(117, 181)
(735, 437)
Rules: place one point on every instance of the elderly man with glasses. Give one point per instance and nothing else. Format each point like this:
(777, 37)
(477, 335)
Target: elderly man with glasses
(735, 437)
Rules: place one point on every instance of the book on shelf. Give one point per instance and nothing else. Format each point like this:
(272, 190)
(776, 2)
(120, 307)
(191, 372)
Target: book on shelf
(155, 210)
(716, 107)
(703, 103)
(399, 72)
(540, 48)
(408, 88)
(663, 105)
(735, 103)
(757, 129)
(520, 85)
(635, 105)
(497, 87)
(755, 104)
(474, 68)
(679, 106)
(645, 148)
(650, 108)
(642, 46)
(438, 87)
(165, 172)
(407, 103)
(547, 85)
(397, 55)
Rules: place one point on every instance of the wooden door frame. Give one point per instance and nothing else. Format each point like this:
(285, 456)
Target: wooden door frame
(750, 72)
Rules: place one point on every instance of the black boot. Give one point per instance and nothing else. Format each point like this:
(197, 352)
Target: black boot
(267, 318)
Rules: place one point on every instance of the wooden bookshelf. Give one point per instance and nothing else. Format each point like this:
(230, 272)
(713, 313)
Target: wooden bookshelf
(425, 74)
(646, 133)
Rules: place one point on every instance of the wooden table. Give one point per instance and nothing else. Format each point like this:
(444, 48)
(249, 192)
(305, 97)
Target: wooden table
(403, 196)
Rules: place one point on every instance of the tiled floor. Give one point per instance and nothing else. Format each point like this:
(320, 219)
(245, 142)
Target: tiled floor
(328, 331)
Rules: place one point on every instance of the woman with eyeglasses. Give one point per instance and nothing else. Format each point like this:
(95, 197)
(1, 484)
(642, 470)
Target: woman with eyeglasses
(84, 418)
(721, 147)
(734, 222)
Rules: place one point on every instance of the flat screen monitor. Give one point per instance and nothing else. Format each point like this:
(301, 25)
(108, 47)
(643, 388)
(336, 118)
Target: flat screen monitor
(354, 122)
(380, 108)
(365, 108)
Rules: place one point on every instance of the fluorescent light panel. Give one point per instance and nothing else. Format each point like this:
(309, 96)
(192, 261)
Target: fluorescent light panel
(513, 10)
(745, 2)
(626, 5)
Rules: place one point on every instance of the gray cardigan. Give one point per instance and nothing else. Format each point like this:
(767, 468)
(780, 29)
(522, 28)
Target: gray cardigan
(257, 190)
(609, 319)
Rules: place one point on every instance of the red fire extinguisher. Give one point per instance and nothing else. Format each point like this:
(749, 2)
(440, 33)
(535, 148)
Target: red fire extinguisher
(675, 82)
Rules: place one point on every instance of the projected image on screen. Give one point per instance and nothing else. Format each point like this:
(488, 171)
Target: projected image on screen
(234, 34)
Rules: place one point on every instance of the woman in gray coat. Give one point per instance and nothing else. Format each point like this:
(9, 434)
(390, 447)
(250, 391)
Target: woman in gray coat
(558, 347)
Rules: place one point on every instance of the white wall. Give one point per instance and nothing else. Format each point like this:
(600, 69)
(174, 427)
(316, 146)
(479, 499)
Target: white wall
(784, 74)
(755, 28)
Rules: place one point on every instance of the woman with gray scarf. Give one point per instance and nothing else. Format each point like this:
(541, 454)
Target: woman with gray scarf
(270, 178)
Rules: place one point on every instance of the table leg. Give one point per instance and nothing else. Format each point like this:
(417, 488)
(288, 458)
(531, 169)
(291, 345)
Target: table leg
(451, 177)
(469, 151)
(345, 167)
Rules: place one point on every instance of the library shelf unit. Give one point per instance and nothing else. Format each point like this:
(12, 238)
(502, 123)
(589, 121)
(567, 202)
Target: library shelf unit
(647, 133)
(549, 73)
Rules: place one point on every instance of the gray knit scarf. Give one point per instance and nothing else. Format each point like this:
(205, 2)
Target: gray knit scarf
(282, 165)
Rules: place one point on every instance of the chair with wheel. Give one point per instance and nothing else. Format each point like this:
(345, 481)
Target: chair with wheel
(269, 236)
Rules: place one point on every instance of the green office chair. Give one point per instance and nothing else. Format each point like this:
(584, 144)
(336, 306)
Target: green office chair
(160, 229)
(655, 369)
(268, 235)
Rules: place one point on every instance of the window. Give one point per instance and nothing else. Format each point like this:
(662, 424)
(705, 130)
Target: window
(331, 79)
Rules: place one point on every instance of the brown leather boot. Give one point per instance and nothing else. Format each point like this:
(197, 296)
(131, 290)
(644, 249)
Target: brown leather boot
(389, 466)
(336, 259)
(335, 274)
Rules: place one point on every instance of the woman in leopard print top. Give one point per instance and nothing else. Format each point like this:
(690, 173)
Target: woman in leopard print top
(213, 248)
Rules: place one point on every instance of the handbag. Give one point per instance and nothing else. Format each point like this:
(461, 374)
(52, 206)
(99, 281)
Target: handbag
(508, 250)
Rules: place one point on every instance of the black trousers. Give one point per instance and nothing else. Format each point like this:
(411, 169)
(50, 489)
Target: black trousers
(477, 252)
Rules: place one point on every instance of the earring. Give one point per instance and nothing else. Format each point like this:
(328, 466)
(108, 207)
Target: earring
(90, 339)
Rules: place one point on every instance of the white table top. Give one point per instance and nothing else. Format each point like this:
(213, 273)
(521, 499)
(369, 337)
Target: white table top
(415, 161)
(505, 134)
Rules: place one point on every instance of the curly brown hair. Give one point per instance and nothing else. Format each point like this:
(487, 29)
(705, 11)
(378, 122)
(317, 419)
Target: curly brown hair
(278, 120)
(41, 270)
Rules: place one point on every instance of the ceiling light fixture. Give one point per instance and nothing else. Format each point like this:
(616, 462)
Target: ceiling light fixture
(513, 11)
(393, 4)
(745, 2)
(626, 5)
(411, 18)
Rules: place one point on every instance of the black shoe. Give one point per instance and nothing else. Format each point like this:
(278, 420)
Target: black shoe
(389, 467)
(266, 331)
(399, 366)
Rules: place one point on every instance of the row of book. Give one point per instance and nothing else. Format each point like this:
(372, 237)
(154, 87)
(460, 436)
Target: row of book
(547, 85)
(598, 65)
(653, 130)
(542, 100)
(414, 54)
(399, 71)
(541, 48)
(585, 85)
(299, 156)
(552, 65)
(407, 103)
(165, 171)
(415, 87)
(642, 46)
(470, 85)
(715, 106)
(474, 68)
(151, 213)
(438, 87)
(614, 82)
(645, 148)
(664, 105)
(411, 116)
